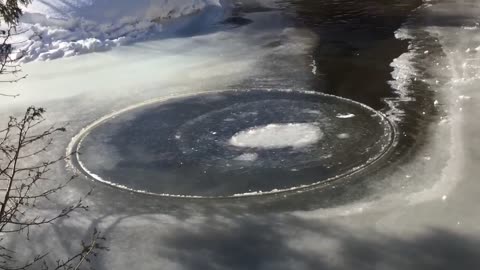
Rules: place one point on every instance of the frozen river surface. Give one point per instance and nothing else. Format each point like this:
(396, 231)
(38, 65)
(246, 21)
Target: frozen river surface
(415, 63)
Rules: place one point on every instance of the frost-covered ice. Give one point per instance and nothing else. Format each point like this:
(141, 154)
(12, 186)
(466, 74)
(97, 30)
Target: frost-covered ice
(402, 75)
(278, 136)
(62, 28)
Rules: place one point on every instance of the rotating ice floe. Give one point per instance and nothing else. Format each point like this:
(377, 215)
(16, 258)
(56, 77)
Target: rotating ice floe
(233, 143)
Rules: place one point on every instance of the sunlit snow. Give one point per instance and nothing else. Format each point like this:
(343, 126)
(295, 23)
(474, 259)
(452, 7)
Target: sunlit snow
(52, 29)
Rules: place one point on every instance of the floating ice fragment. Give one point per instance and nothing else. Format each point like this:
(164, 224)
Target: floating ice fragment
(348, 115)
(247, 157)
(314, 67)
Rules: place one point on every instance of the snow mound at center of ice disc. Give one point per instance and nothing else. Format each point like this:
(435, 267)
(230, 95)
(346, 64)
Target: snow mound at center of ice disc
(275, 136)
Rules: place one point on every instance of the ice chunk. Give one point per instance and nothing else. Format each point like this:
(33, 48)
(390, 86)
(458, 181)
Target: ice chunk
(347, 115)
(247, 157)
(274, 136)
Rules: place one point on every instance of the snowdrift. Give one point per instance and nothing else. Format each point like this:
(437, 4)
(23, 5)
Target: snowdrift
(62, 28)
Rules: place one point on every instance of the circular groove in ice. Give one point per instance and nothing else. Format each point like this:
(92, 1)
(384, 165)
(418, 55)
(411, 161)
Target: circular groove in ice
(274, 136)
(219, 144)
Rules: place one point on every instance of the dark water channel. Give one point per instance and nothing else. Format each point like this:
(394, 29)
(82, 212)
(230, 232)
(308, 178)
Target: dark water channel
(356, 43)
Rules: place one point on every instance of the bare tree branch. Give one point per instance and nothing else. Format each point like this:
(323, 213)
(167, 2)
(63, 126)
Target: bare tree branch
(9, 60)
(23, 181)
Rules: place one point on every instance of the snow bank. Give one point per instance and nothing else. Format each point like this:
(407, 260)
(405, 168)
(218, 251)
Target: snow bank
(62, 28)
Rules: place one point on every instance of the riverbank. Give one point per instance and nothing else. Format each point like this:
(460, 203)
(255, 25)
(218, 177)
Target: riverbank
(58, 28)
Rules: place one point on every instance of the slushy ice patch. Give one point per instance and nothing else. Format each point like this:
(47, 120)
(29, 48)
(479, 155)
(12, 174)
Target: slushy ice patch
(233, 143)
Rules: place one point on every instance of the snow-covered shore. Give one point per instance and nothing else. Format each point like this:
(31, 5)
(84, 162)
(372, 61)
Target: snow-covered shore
(60, 28)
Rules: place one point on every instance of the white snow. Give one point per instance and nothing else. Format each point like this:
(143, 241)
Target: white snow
(110, 11)
(61, 28)
(274, 136)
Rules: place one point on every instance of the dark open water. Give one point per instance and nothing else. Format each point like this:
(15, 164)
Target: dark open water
(356, 43)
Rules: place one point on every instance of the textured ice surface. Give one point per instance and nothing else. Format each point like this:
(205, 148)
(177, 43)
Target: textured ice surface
(233, 143)
(278, 136)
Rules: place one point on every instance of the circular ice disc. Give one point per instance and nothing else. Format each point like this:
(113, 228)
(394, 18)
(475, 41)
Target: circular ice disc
(233, 143)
